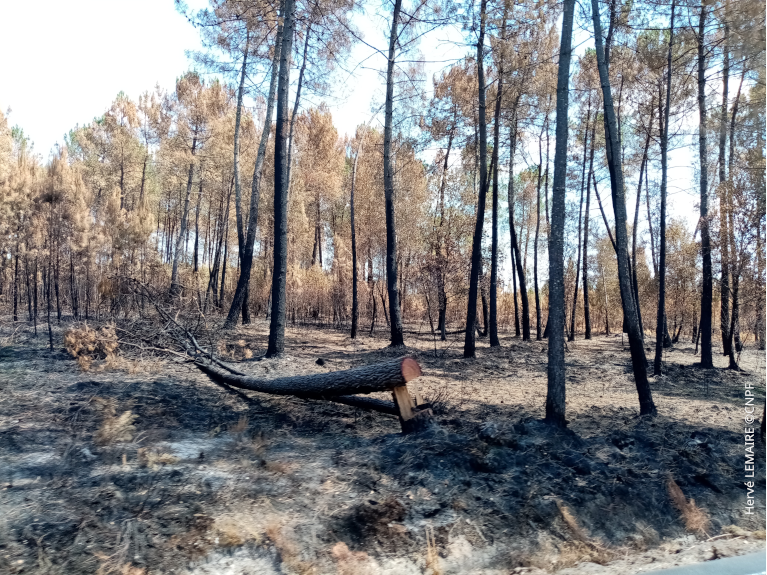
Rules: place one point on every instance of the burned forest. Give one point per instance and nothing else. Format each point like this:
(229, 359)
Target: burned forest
(402, 287)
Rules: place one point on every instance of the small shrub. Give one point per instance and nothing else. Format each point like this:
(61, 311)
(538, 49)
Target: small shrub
(116, 428)
(86, 345)
(695, 518)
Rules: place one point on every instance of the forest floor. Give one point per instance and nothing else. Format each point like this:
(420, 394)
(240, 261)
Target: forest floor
(151, 468)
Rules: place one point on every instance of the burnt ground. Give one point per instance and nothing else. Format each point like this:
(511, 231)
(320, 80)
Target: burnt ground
(148, 467)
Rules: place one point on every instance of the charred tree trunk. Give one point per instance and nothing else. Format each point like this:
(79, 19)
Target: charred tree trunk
(175, 287)
(555, 396)
(397, 338)
(642, 167)
(240, 298)
(276, 343)
(476, 249)
(514, 283)
(586, 308)
(355, 302)
(494, 342)
(538, 332)
(515, 244)
(664, 127)
(724, 234)
(639, 361)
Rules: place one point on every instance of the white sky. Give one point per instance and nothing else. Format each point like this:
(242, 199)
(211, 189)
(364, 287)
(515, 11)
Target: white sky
(66, 61)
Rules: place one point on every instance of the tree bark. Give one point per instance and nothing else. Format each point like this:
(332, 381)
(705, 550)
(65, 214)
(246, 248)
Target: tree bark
(297, 100)
(469, 348)
(515, 245)
(355, 302)
(240, 298)
(494, 341)
(441, 255)
(365, 379)
(706, 301)
(586, 308)
(538, 334)
(555, 396)
(237, 185)
(642, 168)
(175, 287)
(397, 338)
(514, 283)
(724, 234)
(664, 127)
(276, 343)
(584, 182)
(639, 361)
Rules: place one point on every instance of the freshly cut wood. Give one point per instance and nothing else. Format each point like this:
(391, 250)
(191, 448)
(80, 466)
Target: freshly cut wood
(365, 379)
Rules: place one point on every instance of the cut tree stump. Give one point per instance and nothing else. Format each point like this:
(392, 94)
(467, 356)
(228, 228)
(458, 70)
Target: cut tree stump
(341, 387)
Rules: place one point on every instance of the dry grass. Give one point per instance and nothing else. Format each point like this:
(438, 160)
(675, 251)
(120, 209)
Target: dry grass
(154, 459)
(114, 428)
(432, 556)
(278, 467)
(695, 518)
(351, 562)
(240, 426)
(584, 548)
(234, 530)
(290, 553)
(87, 345)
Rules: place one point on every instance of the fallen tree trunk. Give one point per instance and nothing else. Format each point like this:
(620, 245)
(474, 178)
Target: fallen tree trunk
(339, 387)
(366, 403)
(365, 379)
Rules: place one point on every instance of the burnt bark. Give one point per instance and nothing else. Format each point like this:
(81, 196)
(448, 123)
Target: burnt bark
(639, 361)
(660, 333)
(555, 396)
(469, 347)
(276, 343)
(397, 338)
(241, 292)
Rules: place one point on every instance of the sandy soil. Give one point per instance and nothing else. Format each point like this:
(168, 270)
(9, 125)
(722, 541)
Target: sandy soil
(152, 468)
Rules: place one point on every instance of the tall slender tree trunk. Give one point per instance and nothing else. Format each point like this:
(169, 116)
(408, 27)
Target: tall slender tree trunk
(706, 298)
(16, 285)
(735, 261)
(760, 320)
(586, 308)
(397, 338)
(514, 283)
(355, 303)
(175, 287)
(607, 304)
(240, 298)
(574, 307)
(661, 321)
(584, 182)
(516, 256)
(642, 167)
(476, 249)
(555, 395)
(196, 257)
(297, 100)
(538, 333)
(441, 247)
(276, 343)
(724, 234)
(639, 361)
(493, 321)
(241, 243)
